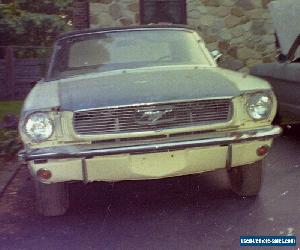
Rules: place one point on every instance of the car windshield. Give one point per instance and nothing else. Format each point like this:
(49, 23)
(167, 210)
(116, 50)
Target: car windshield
(128, 49)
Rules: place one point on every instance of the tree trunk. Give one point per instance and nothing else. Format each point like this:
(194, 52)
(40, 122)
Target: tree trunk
(81, 14)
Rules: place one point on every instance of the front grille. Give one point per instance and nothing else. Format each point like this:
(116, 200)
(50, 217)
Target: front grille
(151, 117)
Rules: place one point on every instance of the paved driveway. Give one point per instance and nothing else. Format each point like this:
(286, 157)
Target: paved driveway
(193, 212)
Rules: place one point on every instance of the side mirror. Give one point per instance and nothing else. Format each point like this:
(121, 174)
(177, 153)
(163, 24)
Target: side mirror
(282, 58)
(217, 55)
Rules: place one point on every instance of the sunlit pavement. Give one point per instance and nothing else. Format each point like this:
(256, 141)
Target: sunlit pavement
(193, 212)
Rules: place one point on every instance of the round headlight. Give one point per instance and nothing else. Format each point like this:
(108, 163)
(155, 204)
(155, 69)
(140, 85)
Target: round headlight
(38, 126)
(259, 106)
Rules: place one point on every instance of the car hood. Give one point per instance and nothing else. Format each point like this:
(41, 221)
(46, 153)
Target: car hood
(286, 19)
(143, 86)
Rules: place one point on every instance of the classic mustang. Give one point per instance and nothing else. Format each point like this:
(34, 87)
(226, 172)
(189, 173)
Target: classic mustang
(140, 103)
(284, 75)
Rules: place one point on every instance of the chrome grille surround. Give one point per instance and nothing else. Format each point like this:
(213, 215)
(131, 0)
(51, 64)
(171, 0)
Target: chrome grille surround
(126, 119)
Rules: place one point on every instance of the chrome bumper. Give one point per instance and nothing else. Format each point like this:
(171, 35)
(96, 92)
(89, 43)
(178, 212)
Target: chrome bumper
(88, 151)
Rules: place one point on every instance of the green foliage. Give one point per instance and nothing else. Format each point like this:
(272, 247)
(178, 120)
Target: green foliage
(31, 22)
(57, 7)
(32, 52)
(10, 143)
(10, 107)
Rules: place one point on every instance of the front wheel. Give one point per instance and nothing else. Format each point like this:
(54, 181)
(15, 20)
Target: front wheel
(52, 199)
(246, 180)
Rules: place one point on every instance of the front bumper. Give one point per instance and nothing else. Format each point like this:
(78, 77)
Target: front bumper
(88, 151)
(149, 161)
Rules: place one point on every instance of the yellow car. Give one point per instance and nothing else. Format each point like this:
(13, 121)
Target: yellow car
(139, 103)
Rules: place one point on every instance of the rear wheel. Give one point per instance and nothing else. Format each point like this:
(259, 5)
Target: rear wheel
(52, 199)
(246, 180)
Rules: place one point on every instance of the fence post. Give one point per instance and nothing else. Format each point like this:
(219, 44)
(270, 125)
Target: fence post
(10, 77)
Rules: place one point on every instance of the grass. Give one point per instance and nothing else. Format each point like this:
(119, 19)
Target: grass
(13, 107)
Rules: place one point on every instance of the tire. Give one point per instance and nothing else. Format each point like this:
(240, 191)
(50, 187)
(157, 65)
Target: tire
(246, 180)
(52, 199)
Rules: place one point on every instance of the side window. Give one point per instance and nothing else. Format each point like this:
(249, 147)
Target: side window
(157, 11)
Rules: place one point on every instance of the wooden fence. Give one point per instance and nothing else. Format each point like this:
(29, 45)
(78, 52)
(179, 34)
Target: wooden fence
(17, 75)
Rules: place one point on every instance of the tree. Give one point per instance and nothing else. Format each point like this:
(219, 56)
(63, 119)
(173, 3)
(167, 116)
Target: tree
(31, 22)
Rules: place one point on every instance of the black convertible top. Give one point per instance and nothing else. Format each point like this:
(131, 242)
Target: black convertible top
(149, 26)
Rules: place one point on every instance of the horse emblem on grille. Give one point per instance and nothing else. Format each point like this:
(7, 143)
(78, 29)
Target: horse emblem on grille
(154, 116)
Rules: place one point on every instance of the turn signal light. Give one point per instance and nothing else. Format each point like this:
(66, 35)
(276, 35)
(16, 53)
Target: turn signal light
(263, 150)
(43, 174)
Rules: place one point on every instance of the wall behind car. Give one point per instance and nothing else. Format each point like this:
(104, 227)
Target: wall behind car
(241, 29)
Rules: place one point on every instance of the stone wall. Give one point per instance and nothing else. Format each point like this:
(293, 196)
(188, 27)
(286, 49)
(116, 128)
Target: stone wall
(241, 29)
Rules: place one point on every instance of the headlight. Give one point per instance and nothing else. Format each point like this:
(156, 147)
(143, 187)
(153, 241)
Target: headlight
(38, 126)
(259, 106)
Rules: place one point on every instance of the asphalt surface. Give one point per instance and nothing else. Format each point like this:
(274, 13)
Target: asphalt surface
(192, 212)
